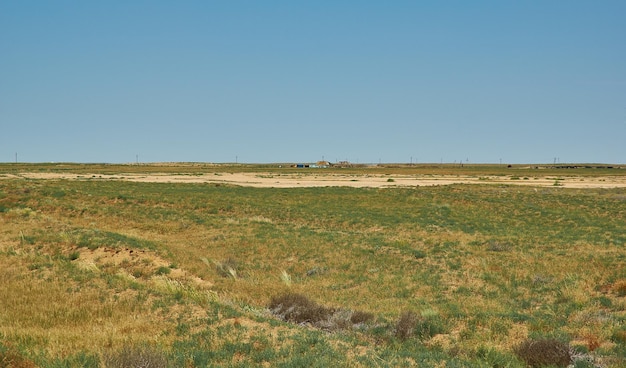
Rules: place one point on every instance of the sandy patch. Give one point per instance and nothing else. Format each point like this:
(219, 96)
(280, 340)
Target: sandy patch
(287, 180)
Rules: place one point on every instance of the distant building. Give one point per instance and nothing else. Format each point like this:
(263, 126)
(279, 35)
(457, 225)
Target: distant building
(318, 164)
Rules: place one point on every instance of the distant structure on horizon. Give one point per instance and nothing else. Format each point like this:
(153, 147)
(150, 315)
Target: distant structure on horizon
(318, 164)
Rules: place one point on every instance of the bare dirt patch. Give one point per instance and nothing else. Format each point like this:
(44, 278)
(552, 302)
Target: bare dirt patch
(133, 261)
(320, 179)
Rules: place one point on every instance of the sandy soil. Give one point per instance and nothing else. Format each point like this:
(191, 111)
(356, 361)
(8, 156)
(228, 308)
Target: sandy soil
(267, 180)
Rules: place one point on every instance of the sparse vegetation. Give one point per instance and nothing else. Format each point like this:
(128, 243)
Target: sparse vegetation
(544, 353)
(136, 357)
(97, 271)
(11, 358)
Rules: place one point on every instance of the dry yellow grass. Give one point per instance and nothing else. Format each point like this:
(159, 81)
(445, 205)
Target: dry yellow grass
(64, 296)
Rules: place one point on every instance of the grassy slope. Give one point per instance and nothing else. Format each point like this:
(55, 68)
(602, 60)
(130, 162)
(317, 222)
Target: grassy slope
(484, 266)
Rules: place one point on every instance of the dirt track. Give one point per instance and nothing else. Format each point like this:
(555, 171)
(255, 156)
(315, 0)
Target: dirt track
(267, 180)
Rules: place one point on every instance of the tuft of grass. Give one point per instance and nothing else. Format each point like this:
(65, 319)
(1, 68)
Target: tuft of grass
(227, 268)
(419, 254)
(619, 336)
(544, 352)
(74, 256)
(285, 277)
(163, 270)
(138, 357)
(11, 358)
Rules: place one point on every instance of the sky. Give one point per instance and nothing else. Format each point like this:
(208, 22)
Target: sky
(301, 81)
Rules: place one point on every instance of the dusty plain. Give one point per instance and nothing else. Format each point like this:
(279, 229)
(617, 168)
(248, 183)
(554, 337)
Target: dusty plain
(364, 177)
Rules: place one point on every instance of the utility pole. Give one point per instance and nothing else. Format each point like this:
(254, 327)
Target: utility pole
(15, 157)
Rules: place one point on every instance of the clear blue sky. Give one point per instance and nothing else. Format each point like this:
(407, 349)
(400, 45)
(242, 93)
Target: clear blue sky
(291, 81)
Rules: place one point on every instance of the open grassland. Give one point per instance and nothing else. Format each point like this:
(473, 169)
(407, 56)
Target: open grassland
(111, 273)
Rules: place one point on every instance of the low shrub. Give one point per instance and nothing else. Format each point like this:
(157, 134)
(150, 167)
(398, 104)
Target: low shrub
(297, 308)
(405, 327)
(410, 324)
(360, 317)
(544, 352)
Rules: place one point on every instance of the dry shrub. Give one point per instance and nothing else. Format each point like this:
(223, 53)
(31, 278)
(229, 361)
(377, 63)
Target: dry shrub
(297, 308)
(544, 352)
(338, 320)
(410, 324)
(620, 288)
(592, 341)
(496, 246)
(405, 327)
(136, 357)
(360, 317)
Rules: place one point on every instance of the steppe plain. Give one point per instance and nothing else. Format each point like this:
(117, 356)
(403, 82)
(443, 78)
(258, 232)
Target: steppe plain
(269, 265)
